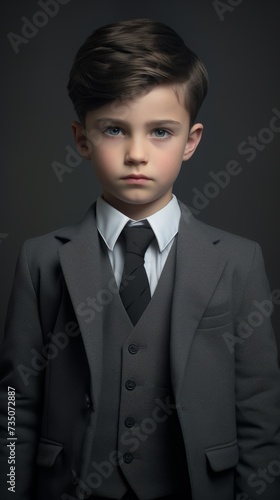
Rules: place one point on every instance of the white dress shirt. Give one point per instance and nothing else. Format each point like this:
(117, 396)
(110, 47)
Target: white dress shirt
(164, 223)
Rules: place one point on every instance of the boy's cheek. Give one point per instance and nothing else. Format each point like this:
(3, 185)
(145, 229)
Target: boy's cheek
(103, 156)
(169, 163)
(105, 166)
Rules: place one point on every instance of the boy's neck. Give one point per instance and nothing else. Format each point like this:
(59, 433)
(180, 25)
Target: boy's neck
(137, 211)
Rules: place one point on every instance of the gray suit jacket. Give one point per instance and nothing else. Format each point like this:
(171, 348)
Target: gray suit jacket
(223, 354)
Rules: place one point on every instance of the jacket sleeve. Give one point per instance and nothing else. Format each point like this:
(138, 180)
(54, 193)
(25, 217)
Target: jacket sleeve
(21, 371)
(257, 390)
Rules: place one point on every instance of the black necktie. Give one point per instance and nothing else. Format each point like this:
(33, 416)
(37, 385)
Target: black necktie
(134, 288)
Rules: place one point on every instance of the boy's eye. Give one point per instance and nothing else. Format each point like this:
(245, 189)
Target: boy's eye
(161, 133)
(113, 131)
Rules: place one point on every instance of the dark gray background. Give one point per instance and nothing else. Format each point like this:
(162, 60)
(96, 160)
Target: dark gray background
(242, 56)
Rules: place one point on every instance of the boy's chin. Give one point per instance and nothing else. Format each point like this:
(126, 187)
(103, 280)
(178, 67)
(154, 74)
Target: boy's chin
(138, 207)
(131, 202)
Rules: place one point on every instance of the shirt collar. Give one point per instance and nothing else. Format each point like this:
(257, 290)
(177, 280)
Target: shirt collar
(110, 222)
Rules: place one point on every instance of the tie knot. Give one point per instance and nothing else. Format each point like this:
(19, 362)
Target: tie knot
(137, 239)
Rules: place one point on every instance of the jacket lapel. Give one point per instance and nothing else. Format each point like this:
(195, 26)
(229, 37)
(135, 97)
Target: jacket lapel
(199, 264)
(82, 263)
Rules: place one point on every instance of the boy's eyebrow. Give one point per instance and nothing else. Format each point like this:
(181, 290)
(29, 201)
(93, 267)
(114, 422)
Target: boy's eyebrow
(150, 123)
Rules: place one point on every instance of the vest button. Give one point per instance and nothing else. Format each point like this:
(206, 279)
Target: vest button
(133, 348)
(130, 385)
(128, 457)
(88, 401)
(129, 422)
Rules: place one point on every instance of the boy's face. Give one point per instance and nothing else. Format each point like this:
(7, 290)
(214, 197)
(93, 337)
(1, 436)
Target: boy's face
(137, 149)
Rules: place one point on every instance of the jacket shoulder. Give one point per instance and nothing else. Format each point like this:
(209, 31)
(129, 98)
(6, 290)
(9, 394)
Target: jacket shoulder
(43, 250)
(227, 238)
(45, 247)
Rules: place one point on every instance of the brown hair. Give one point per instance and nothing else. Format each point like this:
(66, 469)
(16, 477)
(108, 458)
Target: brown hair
(123, 60)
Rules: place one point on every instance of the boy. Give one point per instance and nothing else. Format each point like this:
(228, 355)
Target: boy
(128, 354)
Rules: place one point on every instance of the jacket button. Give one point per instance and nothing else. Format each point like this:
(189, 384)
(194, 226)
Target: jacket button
(88, 401)
(130, 385)
(133, 348)
(129, 422)
(128, 457)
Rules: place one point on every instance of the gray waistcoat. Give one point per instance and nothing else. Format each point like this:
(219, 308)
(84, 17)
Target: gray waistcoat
(138, 439)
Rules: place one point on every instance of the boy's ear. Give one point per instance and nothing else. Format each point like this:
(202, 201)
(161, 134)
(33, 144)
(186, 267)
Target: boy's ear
(82, 143)
(193, 141)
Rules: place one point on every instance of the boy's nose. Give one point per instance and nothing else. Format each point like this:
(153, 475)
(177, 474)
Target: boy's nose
(136, 152)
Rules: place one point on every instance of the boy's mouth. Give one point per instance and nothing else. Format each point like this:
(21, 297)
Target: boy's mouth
(136, 176)
(136, 179)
